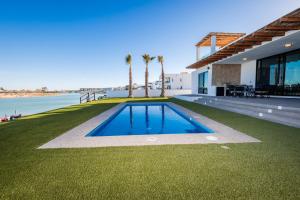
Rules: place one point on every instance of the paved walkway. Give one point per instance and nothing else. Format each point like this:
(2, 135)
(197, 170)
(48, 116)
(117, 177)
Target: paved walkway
(76, 137)
(280, 110)
(276, 101)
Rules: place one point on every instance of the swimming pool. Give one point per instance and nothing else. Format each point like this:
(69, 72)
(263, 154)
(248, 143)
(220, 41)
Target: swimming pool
(148, 119)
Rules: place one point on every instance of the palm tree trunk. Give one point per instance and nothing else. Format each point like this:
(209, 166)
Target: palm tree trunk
(162, 81)
(130, 82)
(146, 82)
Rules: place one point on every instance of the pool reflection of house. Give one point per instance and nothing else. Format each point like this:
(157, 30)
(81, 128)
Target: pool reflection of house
(267, 59)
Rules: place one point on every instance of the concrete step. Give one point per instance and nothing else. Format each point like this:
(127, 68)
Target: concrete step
(291, 119)
(294, 114)
(236, 100)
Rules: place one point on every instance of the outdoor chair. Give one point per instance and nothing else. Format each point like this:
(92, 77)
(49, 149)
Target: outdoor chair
(262, 92)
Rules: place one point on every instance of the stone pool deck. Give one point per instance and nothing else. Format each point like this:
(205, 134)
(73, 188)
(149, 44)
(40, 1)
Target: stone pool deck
(76, 137)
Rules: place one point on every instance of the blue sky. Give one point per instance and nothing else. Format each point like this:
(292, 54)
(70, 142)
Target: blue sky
(71, 44)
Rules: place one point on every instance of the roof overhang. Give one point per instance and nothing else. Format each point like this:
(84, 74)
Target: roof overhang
(277, 28)
(277, 46)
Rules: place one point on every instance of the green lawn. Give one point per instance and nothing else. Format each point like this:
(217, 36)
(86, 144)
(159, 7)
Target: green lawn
(267, 170)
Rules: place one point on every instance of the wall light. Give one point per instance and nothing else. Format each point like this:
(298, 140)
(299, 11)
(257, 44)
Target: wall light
(244, 59)
(288, 45)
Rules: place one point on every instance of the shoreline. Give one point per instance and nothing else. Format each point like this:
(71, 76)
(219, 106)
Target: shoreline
(9, 95)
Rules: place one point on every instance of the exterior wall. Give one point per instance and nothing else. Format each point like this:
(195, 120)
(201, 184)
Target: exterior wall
(220, 74)
(178, 81)
(248, 73)
(141, 93)
(211, 90)
(226, 74)
(195, 82)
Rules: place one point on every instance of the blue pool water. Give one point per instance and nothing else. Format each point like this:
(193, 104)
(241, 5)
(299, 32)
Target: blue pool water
(148, 118)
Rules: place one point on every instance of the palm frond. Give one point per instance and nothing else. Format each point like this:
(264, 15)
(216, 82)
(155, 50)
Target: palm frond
(160, 59)
(146, 58)
(128, 59)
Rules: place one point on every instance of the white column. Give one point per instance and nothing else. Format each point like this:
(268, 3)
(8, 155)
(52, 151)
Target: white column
(213, 42)
(197, 53)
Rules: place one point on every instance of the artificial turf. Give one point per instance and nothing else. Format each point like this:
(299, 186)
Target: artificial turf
(266, 170)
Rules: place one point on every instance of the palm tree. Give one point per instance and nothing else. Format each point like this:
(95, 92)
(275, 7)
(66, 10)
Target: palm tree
(128, 60)
(161, 61)
(147, 59)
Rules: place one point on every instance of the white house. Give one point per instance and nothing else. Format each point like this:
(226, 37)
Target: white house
(181, 81)
(267, 59)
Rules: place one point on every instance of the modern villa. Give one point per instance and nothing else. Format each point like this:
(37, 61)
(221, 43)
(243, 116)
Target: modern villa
(181, 81)
(229, 128)
(267, 60)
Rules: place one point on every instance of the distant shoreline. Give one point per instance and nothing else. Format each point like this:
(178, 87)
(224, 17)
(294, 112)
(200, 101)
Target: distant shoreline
(7, 95)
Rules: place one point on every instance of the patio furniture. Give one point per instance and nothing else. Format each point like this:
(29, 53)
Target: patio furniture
(262, 92)
(230, 90)
(240, 90)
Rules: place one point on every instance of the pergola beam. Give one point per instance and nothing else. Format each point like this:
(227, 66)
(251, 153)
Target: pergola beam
(280, 28)
(272, 34)
(250, 42)
(290, 19)
(236, 48)
(244, 45)
(219, 56)
(229, 53)
(258, 39)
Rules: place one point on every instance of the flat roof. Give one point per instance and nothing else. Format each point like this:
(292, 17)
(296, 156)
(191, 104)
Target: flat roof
(279, 27)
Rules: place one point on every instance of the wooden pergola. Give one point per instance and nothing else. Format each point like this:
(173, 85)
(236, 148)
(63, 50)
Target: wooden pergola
(278, 27)
(222, 39)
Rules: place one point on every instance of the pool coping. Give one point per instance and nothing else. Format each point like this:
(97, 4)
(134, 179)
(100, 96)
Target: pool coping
(76, 137)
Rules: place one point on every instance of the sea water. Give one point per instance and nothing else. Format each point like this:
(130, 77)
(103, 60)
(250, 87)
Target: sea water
(33, 105)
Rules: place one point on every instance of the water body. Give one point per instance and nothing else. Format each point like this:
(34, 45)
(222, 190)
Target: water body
(33, 105)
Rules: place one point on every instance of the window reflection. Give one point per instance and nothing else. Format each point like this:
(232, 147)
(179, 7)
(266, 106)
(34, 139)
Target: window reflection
(202, 83)
(279, 75)
(292, 73)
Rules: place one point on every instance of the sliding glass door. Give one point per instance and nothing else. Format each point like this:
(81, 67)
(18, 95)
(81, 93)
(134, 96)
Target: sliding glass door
(280, 74)
(292, 74)
(269, 75)
(202, 82)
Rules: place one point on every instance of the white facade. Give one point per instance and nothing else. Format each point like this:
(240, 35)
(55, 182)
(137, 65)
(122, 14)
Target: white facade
(141, 93)
(182, 81)
(155, 85)
(211, 90)
(248, 73)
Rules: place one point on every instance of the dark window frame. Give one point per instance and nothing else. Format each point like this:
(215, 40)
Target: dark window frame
(202, 89)
(281, 61)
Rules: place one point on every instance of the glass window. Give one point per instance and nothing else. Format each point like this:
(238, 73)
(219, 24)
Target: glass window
(268, 72)
(292, 74)
(280, 74)
(272, 78)
(292, 70)
(202, 83)
(205, 84)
